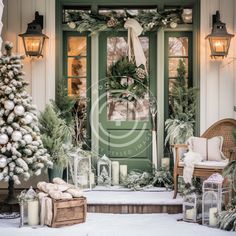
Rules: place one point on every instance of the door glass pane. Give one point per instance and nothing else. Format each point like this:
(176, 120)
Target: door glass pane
(174, 64)
(77, 46)
(119, 108)
(77, 87)
(178, 46)
(76, 66)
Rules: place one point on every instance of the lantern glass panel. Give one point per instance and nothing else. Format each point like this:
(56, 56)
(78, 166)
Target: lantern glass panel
(33, 45)
(192, 208)
(220, 44)
(83, 173)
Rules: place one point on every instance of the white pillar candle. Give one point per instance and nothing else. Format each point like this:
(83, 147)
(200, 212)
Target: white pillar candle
(190, 214)
(165, 163)
(212, 216)
(123, 172)
(33, 212)
(82, 179)
(92, 178)
(115, 173)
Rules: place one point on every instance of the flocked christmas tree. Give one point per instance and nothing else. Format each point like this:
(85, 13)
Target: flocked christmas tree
(21, 149)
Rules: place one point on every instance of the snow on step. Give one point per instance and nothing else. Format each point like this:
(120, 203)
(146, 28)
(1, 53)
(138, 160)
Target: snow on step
(131, 198)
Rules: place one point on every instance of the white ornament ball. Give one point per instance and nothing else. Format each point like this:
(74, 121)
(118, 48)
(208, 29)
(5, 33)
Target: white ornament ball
(28, 119)
(173, 25)
(16, 136)
(3, 139)
(3, 162)
(9, 130)
(28, 138)
(19, 110)
(9, 105)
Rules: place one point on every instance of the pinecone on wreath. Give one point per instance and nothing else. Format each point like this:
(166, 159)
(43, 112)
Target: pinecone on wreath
(140, 73)
(112, 22)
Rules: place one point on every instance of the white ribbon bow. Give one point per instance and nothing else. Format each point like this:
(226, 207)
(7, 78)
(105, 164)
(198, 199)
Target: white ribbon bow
(134, 30)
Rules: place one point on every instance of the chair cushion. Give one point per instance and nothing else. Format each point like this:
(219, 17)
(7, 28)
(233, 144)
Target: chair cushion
(209, 149)
(209, 164)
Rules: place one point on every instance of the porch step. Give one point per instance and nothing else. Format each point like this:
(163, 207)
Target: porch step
(132, 202)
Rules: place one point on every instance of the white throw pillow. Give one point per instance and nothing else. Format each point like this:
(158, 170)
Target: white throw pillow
(209, 149)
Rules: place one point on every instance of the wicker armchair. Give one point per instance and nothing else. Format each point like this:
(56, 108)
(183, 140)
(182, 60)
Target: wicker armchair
(222, 128)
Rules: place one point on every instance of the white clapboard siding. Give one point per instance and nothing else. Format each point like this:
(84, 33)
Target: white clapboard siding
(40, 73)
(218, 78)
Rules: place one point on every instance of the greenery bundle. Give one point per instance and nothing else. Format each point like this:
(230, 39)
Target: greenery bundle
(227, 219)
(56, 135)
(151, 20)
(126, 80)
(182, 108)
(137, 180)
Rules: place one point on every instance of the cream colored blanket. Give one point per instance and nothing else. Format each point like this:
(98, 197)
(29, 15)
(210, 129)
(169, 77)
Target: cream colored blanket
(58, 190)
(190, 159)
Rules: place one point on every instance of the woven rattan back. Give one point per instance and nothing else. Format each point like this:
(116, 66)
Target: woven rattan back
(223, 128)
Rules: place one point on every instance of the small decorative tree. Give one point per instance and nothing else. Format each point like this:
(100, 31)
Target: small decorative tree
(182, 108)
(21, 148)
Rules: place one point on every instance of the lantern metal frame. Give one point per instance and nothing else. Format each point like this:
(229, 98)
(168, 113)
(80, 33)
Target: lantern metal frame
(77, 159)
(216, 194)
(34, 30)
(104, 163)
(219, 32)
(192, 202)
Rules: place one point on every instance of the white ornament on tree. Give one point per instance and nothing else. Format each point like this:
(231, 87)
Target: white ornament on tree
(9, 105)
(16, 136)
(19, 110)
(28, 119)
(3, 162)
(3, 139)
(28, 138)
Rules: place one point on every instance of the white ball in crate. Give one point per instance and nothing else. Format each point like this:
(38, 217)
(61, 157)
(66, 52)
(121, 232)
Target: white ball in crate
(173, 25)
(3, 139)
(9, 105)
(16, 136)
(28, 119)
(19, 110)
(3, 162)
(28, 138)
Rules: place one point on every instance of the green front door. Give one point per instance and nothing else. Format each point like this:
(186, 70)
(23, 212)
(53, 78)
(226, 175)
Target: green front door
(125, 126)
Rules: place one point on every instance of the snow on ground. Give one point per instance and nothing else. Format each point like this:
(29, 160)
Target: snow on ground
(98, 224)
(132, 197)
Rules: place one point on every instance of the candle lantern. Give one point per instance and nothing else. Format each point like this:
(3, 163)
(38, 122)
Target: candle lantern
(33, 38)
(29, 207)
(192, 208)
(216, 195)
(104, 171)
(219, 38)
(80, 168)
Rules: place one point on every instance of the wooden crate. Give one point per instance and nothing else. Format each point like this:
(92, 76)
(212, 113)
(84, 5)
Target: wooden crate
(69, 212)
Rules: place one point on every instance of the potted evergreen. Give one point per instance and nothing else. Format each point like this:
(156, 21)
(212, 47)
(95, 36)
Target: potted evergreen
(182, 109)
(56, 138)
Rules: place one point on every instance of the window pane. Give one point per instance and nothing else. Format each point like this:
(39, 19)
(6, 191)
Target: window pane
(174, 64)
(77, 46)
(117, 47)
(77, 87)
(117, 107)
(77, 66)
(187, 16)
(178, 46)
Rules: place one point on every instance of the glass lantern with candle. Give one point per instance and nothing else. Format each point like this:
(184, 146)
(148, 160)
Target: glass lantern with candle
(104, 171)
(192, 208)
(216, 195)
(80, 168)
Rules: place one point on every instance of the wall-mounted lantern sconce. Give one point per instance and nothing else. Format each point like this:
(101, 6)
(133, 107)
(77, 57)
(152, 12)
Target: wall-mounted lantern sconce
(33, 38)
(219, 38)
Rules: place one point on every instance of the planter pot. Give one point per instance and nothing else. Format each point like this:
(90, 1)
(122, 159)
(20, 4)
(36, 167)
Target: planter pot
(57, 171)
